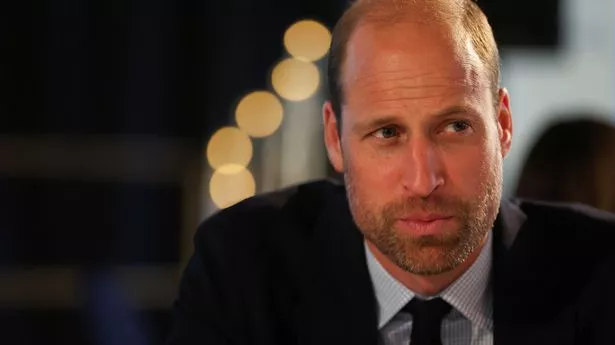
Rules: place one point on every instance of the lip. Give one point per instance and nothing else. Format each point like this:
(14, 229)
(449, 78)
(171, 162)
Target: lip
(424, 224)
(427, 217)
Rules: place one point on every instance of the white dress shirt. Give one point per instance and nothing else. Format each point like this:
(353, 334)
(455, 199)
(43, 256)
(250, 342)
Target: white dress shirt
(470, 321)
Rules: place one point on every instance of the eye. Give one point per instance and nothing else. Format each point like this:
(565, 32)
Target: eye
(387, 132)
(458, 126)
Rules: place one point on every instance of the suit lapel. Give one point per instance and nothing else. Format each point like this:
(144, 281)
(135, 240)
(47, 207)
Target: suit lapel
(529, 306)
(337, 304)
(507, 227)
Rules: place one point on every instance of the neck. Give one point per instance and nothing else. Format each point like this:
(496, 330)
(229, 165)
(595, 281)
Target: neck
(422, 285)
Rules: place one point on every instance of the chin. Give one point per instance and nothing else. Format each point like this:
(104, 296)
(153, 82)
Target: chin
(430, 269)
(431, 260)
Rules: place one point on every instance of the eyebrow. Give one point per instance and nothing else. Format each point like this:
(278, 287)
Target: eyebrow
(456, 109)
(377, 122)
(384, 120)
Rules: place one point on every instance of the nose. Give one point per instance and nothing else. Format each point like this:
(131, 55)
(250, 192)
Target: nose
(423, 168)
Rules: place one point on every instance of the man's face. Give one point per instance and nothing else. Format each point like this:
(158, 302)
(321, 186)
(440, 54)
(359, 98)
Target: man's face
(421, 146)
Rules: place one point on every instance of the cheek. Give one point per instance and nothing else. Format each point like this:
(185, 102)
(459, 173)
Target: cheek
(373, 171)
(470, 169)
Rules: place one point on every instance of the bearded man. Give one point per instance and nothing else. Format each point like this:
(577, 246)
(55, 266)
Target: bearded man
(417, 246)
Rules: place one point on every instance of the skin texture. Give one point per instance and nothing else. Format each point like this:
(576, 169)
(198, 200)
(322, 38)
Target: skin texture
(421, 148)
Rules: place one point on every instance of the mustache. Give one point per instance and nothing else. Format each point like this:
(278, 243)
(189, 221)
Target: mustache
(432, 204)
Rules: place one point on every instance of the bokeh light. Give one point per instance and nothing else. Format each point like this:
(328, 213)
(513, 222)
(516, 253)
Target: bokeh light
(259, 113)
(307, 40)
(295, 80)
(229, 146)
(228, 189)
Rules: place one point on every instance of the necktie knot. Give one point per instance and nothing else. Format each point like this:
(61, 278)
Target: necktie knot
(435, 308)
(427, 318)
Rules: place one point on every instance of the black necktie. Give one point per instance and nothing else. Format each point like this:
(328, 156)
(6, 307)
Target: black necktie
(427, 318)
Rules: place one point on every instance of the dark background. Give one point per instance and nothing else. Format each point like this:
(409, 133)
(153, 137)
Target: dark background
(105, 108)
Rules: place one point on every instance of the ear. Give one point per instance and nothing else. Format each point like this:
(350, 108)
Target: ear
(504, 121)
(332, 137)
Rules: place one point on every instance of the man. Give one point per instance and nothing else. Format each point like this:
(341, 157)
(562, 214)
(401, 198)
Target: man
(417, 247)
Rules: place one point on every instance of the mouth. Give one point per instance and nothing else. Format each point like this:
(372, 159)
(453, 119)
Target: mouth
(427, 217)
(424, 224)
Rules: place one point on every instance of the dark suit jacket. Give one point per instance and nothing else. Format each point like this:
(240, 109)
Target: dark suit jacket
(289, 268)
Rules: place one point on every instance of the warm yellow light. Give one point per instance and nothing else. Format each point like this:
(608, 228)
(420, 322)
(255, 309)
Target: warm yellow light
(229, 145)
(259, 113)
(228, 189)
(230, 169)
(294, 79)
(307, 40)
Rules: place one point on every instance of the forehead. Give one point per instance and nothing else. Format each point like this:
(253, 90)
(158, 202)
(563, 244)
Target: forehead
(411, 57)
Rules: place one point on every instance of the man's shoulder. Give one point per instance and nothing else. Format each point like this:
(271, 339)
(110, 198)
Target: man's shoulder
(560, 267)
(296, 208)
(570, 231)
(559, 216)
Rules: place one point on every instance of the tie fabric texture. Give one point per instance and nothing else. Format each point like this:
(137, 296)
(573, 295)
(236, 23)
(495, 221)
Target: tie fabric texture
(427, 318)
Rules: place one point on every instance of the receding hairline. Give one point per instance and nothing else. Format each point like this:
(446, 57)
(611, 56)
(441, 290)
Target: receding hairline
(380, 14)
(462, 17)
(399, 10)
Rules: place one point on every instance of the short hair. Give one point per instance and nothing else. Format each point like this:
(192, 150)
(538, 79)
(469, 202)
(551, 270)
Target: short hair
(471, 18)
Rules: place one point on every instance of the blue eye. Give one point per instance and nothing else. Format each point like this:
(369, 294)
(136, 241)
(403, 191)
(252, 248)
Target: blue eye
(458, 126)
(387, 132)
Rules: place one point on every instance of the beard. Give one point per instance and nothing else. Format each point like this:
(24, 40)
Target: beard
(428, 254)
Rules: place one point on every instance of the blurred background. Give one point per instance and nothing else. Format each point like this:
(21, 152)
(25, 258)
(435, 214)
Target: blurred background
(123, 124)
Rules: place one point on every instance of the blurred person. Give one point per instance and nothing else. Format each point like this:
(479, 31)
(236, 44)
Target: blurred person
(572, 161)
(417, 246)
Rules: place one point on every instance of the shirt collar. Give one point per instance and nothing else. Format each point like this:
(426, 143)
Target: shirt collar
(469, 294)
